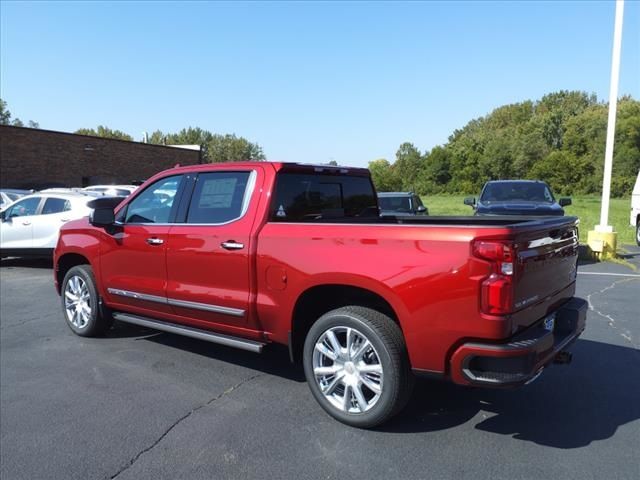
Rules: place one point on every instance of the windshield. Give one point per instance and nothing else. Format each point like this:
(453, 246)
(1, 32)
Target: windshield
(523, 191)
(396, 204)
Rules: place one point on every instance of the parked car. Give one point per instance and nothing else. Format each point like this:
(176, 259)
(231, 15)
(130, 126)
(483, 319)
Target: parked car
(634, 217)
(401, 204)
(6, 198)
(17, 191)
(247, 254)
(517, 197)
(61, 190)
(30, 225)
(111, 190)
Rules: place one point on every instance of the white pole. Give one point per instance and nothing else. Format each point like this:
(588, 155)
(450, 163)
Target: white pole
(611, 123)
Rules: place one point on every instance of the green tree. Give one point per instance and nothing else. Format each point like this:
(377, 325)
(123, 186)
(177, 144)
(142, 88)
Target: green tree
(435, 172)
(230, 148)
(104, 132)
(5, 117)
(408, 165)
(5, 114)
(214, 147)
(565, 172)
(384, 176)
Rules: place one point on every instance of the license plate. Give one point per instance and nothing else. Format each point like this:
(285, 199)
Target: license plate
(549, 322)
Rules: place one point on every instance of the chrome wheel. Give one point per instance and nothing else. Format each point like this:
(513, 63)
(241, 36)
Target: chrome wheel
(77, 302)
(347, 369)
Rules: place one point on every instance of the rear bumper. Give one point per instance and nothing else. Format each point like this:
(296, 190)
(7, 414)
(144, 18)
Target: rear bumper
(522, 358)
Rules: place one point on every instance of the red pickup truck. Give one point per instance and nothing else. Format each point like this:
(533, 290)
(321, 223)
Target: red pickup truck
(246, 254)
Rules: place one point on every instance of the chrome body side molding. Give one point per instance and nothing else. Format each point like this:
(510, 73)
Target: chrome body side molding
(136, 295)
(234, 312)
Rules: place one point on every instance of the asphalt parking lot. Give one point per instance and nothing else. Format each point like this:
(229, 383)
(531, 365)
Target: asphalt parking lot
(140, 404)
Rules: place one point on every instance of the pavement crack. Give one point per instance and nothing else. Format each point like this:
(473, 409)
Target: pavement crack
(19, 324)
(166, 432)
(624, 333)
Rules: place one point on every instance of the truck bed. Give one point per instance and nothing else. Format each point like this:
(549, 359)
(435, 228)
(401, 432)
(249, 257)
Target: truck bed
(504, 221)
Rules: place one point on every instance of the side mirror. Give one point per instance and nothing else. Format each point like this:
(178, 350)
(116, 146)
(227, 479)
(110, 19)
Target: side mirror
(471, 201)
(564, 202)
(2, 215)
(103, 214)
(102, 217)
(421, 209)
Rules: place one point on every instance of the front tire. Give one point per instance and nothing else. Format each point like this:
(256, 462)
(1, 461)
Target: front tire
(81, 303)
(638, 232)
(356, 365)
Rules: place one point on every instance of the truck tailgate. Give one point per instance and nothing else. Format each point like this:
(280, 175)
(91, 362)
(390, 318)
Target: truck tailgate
(545, 266)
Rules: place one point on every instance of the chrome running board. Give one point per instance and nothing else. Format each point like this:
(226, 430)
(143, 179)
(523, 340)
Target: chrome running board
(206, 335)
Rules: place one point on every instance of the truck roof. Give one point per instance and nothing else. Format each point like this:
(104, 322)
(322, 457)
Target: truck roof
(280, 166)
(395, 194)
(516, 180)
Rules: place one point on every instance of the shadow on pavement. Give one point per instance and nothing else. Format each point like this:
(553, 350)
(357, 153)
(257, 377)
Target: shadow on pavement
(568, 407)
(274, 359)
(37, 262)
(630, 253)
(576, 405)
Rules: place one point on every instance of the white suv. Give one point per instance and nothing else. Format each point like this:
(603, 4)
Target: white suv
(634, 218)
(31, 224)
(111, 190)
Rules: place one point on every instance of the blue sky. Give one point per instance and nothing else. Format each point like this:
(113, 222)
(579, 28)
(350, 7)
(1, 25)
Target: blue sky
(309, 82)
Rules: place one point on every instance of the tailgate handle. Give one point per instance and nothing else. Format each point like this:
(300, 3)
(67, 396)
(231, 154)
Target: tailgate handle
(232, 245)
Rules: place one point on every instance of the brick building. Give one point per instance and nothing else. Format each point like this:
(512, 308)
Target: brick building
(33, 158)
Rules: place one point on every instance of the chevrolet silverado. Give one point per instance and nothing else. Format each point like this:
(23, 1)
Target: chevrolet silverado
(248, 254)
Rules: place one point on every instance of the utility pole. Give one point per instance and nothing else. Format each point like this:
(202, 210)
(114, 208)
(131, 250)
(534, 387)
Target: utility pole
(603, 238)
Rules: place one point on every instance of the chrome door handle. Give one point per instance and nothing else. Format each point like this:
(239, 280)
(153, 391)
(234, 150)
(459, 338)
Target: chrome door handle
(155, 241)
(26, 223)
(232, 245)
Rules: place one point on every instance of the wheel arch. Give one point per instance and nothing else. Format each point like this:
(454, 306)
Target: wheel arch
(65, 263)
(319, 299)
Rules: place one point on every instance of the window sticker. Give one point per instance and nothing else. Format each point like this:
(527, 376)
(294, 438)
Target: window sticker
(217, 193)
(281, 213)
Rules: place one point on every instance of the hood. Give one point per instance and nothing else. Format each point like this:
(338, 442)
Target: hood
(518, 208)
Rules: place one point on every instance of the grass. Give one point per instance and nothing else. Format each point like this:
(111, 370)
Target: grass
(586, 208)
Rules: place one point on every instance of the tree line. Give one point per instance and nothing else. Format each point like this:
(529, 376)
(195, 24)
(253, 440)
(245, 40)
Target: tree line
(214, 147)
(5, 118)
(559, 139)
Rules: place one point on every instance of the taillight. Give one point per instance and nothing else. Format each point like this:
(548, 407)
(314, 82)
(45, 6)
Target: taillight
(496, 297)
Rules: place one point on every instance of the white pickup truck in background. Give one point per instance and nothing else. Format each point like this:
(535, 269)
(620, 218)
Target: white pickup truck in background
(634, 218)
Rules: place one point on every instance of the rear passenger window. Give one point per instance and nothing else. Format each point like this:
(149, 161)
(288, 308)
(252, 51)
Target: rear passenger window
(219, 197)
(55, 205)
(306, 198)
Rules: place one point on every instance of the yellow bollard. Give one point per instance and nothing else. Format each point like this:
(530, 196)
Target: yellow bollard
(602, 244)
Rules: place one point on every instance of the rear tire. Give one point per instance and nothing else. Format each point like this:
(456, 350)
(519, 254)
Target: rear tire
(638, 232)
(356, 365)
(81, 306)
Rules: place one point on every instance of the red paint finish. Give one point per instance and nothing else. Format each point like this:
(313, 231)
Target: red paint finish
(128, 262)
(430, 272)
